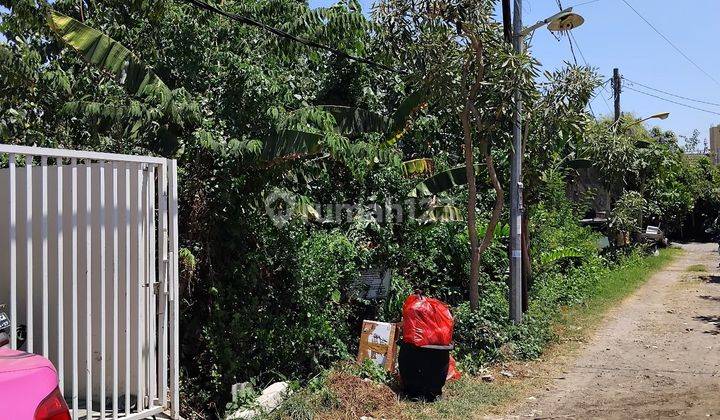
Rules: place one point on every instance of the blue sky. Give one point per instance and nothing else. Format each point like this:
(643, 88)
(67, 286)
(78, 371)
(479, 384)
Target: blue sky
(614, 36)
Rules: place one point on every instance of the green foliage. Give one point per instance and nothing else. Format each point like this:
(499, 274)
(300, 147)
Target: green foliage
(443, 214)
(100, 50)
(625, 217)
(440, 182)
(245, 398)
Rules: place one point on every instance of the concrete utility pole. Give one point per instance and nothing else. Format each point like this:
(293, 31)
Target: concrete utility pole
(516, 186)
(564, 20)
(617, 89)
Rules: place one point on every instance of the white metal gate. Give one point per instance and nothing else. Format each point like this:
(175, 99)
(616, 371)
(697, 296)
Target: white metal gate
(88, 263)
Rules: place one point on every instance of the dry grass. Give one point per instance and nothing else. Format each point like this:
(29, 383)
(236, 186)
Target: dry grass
(356, 397)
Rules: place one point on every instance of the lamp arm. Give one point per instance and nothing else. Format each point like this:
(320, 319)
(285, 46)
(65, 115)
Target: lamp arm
(544, 22)
(638, 122)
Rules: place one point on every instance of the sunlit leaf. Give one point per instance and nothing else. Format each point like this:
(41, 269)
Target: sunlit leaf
(443, 214)
(102, 51)
(440, 182)
(421, 166)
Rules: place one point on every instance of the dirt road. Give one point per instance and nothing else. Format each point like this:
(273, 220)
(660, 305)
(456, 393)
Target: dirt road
(655, 356)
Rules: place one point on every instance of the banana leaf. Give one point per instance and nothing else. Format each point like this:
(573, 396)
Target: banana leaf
(443, 214)
(291, 144)
(100, 50)
(440, 182)
(406, 109)
(418, 166)
(353, 121)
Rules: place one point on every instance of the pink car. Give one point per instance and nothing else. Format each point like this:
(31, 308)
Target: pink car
(28, 385)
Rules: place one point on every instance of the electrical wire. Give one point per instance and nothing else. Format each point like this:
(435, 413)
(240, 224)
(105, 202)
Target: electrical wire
(599, 93)
(282, 34)
(671, 94)
(573, 39)
(584, 3)
(672, 101)
(572, 51)
(671, 43)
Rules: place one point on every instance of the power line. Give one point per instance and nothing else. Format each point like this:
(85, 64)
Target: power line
(572, 37)
(282, 34)
(672, 94)
(672, 101)
(584, 3)
(600, 94)
(671, 43)
(571, 40)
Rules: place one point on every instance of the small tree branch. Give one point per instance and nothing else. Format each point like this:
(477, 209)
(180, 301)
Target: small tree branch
(485, 149)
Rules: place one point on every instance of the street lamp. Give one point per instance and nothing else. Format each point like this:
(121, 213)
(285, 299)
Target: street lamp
(565, 20)
(660, 116)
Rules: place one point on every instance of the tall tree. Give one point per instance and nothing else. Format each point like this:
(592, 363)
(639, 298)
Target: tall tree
(460, 49)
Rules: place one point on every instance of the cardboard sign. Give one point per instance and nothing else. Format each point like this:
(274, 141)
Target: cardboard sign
(377, 282)
(378, 342)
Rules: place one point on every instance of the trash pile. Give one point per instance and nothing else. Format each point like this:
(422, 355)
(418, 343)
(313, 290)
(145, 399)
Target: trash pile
(424, 361)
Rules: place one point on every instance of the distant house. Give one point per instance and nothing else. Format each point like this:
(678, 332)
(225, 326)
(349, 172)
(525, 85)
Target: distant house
(586, 184)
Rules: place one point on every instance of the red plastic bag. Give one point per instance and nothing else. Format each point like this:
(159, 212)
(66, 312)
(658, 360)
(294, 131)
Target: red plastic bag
(426, 321)
(453, 372)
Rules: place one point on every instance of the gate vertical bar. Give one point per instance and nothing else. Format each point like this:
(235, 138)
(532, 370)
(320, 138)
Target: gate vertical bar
(152, 282)
(13, 250)
(115, 264)
(127, 289)
(174, 294)
(140, 288)
(74, 262)
(30, 333)
(88, 286)
(101, 219)
(163, 277)
(44, 236)
(60, 277)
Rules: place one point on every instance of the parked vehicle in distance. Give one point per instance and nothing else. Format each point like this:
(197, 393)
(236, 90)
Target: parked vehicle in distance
(28, 383)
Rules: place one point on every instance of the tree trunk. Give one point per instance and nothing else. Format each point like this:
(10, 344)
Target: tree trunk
(472, 202)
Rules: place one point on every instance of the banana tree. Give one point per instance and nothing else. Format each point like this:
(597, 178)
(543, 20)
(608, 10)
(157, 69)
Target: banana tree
(135, 76)
(353, 123)
(98, 49)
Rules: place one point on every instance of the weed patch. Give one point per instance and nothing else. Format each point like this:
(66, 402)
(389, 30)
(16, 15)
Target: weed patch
(697, 268)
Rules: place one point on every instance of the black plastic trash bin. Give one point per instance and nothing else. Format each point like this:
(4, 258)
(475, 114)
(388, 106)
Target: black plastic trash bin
(423, 370)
